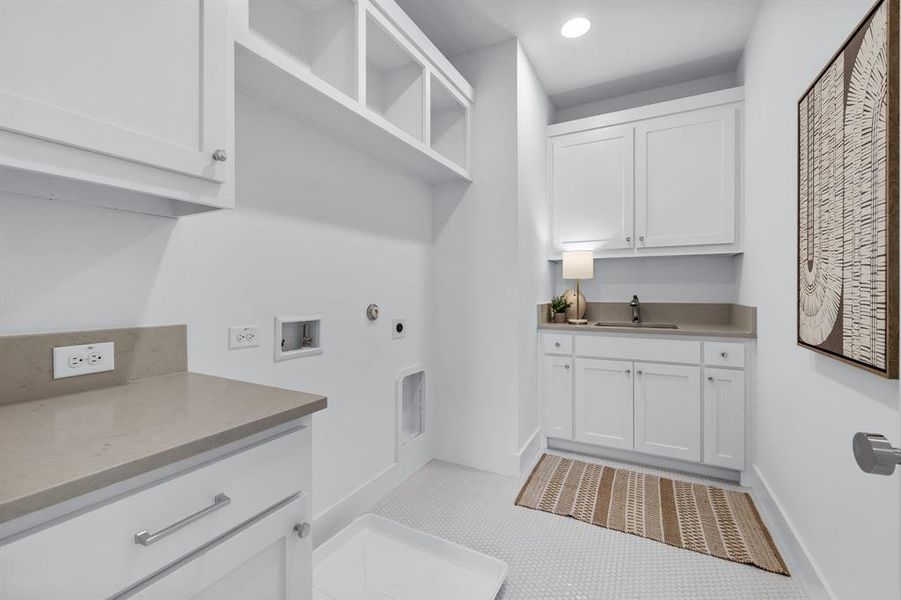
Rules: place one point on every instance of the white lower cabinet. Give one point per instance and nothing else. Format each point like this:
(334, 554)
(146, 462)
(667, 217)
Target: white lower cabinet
(225, 530)
(724, 418)
(558, 397)
(266, 561)
(603, 402)
(673, 398)
(668, 410)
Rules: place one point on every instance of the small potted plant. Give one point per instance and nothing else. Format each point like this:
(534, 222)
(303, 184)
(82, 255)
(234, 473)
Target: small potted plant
(559, 304)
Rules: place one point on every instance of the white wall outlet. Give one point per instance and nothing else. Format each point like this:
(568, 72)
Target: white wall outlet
(69, 361)
(246, 336)
(398, 328)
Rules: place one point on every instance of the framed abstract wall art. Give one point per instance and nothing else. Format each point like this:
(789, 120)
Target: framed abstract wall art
(848, 200)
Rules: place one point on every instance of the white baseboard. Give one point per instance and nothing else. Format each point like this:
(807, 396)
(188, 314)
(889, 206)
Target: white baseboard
(644, 459)
(529, 452)
(489, 459)
(340, 514)
(795, 553)
(481, 457)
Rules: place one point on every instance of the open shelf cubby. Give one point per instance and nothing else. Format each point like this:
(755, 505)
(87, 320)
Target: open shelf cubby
(394, 80)
(448, 123)
(320, 34)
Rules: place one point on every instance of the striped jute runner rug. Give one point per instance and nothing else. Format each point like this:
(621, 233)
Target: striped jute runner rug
(697, 517)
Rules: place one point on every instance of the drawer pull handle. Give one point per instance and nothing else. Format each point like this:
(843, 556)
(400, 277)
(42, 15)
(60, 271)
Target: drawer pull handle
(145, 538)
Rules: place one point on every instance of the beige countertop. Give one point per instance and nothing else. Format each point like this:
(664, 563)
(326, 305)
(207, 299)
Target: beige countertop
(691, 319)
(56, 449)
(697, 329)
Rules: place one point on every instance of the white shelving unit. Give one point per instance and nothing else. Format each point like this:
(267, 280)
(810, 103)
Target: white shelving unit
(394, 79)
(320, 34)
(362, 71)
(449, 119)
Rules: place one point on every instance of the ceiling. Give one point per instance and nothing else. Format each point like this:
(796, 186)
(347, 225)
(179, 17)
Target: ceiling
(633, 45)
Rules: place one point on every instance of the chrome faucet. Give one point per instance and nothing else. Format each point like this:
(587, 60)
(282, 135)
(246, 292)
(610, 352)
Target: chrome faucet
(636, 309)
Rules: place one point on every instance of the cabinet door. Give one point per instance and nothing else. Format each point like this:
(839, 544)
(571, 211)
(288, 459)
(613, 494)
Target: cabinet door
(685, 179)
(603, 402)
(668, 410)
(266, 561)
(558, 397)
(592, 189)
(145, 81)
(724, 418)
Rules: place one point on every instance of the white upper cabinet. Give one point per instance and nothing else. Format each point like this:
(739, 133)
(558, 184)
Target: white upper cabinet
(134, 96)
(592, 191)
(685, 179)
(362, 71)
(657, 180)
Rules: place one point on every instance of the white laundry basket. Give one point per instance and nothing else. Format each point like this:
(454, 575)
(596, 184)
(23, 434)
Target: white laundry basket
(375, 558)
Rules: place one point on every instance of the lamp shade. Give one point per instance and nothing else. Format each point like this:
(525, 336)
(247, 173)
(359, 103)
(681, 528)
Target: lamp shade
(578, 264)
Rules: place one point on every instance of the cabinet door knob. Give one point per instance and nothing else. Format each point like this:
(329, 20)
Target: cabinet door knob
(641, 238)
(710, 378)
(556, 344)
(566, 367)
(628, 371)
(629, 238)
(220, 155)
(639, 372)
(724, 354)
(302, 530)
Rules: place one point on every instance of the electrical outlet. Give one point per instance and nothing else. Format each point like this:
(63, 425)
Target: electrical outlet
(398, 329)
(246, 336)
(70, 361)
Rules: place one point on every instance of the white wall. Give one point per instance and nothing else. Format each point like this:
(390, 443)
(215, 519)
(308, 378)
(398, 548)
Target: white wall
(533, 111)
(475, 278)
(490, 269)
(658, 279)
(652, 96)
(808, 406)
(319, 228)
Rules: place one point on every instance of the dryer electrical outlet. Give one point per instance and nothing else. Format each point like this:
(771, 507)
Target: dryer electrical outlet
(398, 329)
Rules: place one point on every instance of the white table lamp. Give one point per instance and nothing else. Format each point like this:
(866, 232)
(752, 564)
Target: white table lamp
(578, 265)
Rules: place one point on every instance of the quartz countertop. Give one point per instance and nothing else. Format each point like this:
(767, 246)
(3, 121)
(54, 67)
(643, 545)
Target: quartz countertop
(696, 329)
(56, 449)
(691, 319)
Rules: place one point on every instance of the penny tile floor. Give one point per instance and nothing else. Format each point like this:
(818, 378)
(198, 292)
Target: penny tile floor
(558, 558)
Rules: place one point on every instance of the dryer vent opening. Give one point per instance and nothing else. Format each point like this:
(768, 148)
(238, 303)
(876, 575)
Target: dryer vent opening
(412, 404)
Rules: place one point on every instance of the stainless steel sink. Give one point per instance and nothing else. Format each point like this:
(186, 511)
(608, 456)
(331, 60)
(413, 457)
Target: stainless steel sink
(639, 325)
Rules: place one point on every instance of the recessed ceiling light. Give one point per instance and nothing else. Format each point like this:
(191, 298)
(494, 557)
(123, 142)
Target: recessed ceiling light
(576, 27)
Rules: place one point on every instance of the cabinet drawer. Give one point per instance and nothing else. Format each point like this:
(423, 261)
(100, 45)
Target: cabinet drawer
(265, 560)
(555, 343)
(96, 554)
(724, 354)
(631, 348)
